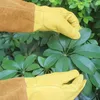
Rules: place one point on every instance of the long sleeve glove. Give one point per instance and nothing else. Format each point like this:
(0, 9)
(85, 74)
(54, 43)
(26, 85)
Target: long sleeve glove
(13, 89)
(22, 16)
(56, 86)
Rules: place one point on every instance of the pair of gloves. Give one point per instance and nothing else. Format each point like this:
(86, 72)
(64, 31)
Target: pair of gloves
(21, 16)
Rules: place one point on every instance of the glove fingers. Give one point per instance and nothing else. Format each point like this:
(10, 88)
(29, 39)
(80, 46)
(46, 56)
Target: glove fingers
(79, 90)
(72, 19)
(75, 84)
(78, 80)
(75, 88)
(68, 76)
(57, 78)
(68, 30)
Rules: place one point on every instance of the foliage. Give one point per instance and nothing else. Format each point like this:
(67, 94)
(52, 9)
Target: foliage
(77, 54)
(32, 54)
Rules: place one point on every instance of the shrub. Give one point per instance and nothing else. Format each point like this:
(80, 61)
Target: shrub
(39, 53)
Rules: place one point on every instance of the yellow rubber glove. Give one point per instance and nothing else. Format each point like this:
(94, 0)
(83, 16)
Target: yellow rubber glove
(56, 19)
(55, 86)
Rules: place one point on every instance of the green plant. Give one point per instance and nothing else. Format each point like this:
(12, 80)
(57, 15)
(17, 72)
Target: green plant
(82, 54)
(20, 66)
(32, 54)
(58, 54)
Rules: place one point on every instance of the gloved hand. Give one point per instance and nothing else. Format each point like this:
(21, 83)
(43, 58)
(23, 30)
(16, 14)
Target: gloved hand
(55, 86)
(22, 16)
(55, 19)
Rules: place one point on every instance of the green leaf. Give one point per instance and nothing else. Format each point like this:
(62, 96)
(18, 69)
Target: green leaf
(49, 52)
(72, 44)
(96, 62)
(22, 37)
(64, 41)
(87, 4)
(28, 74)
(20, 60)
(88, 87)
(62, 64)
(92, 41)
(84, 97)
(51, 60)
(97, 24)
(1, 69)
(95, 79)
(85, 34)
(10, 65)
(46, 34)
(44, 41)
(73, 6)
(29, 40)
(80, 14)
(2, 54)
(35, 1)
(84, 64)
(80, 6)
(16, 53)
(33, 67)
(5, 74)
(16, 42)
(70, 64)
(29, 60)
(97, 3)
(55, 44)
(55, 2)
(42, 73)
(37, 71)
(23, 48)
(86, 20)
(88, 50)
(41, 61)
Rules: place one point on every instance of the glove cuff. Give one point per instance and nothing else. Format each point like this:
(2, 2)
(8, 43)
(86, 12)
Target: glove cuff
(13, 89)
(16, 16)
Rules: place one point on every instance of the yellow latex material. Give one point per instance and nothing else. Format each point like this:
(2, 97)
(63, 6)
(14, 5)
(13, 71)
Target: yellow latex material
(55, 86)
(56, 19)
